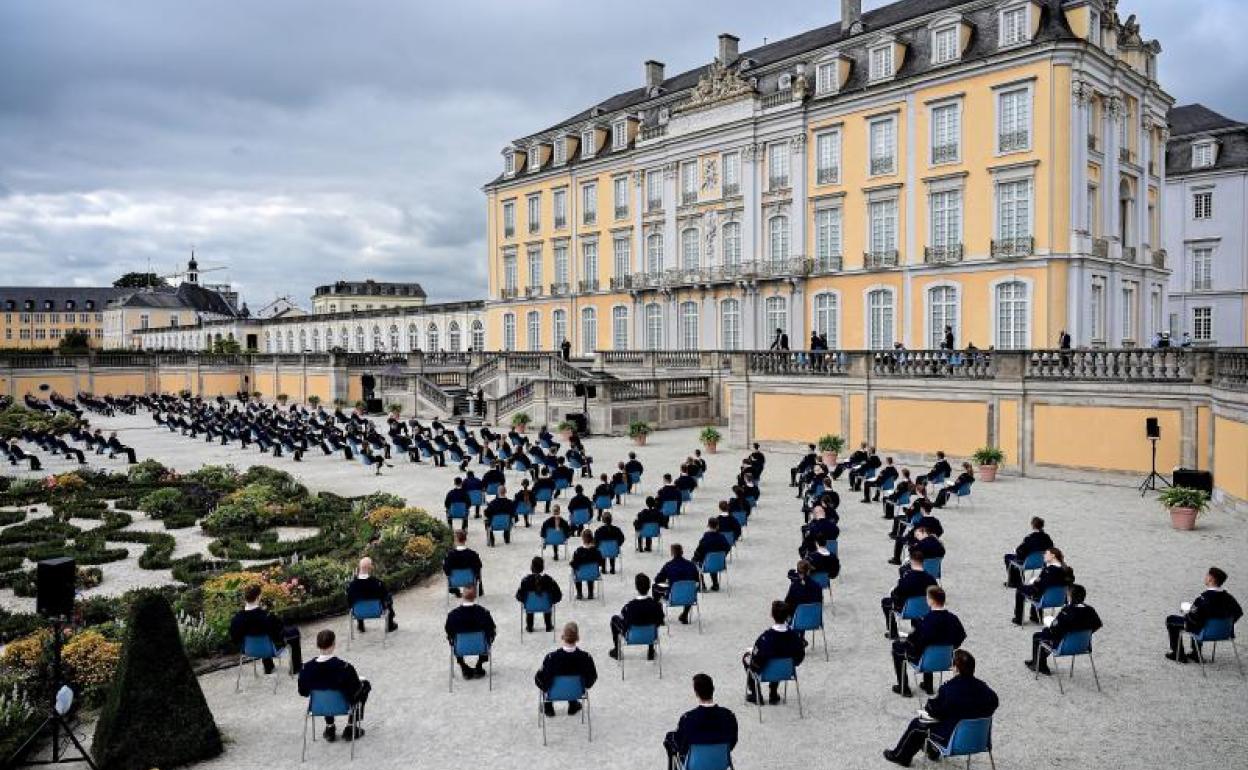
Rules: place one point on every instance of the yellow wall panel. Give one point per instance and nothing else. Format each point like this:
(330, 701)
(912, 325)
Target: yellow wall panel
(174, 382)
(291, 383)
(63, 384)
(222, 384)
(318, 385)
(857, 420)
(355, 390)
(1103, 437)
(1204, 436)
(119, 384)
(791, 417)
(1007, 430)
(919, 425)
(1230, 455)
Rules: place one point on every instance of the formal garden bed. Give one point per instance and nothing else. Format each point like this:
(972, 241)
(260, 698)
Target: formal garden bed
(90, 512)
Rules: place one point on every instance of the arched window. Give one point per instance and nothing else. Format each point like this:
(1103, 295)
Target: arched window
(478, 336)
(290, 341)
(880, 319)
(559, 327)
(654, 326)
(303, 341)
(777, 310)
(688, 322)
(730, 324)
(378, 343)
(316, 340)
(589, 331)
(732, 244)
(654, 253)
(619, 328)
(413, 337)
(454, 340)
(509, 331)
(277, 341)
(394, 338)
(778, 228)
(690, 259)
(359, 339)
(826, 312)
(1012, 315)
(942, 311)
(344, 339)
(533, 323)
(431, 338)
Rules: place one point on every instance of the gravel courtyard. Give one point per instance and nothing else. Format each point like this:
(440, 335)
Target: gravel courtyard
(1136, 568)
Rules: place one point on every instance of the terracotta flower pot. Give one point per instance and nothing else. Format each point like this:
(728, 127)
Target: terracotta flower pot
(830, 458)
(639, 440)
(1183, 518)
(987, 473)
(521, 428)
(567, 434)
(711, 447)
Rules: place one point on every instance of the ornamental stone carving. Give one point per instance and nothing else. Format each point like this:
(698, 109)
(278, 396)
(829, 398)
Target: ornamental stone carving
(638, 179)
(797, 143)
(669, 170)
(710, 173)
(719, 84)
(1081, 91)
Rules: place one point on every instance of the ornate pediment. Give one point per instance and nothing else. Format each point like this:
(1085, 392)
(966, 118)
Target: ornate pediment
(719, 84)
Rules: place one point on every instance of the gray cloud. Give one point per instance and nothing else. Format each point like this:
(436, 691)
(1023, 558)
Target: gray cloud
(301, 141)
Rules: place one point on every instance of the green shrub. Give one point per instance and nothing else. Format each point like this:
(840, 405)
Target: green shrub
(12, 517)
(988, 455)
(710, 435)
(155, 715)
(831, 443)
(1184, 497)
(369, 503)
(147, 471)
(321, 575)
(218, 478)
(520, 419)
(161, 503)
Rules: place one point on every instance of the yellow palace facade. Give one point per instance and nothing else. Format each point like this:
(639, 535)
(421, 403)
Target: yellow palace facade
(992, 167)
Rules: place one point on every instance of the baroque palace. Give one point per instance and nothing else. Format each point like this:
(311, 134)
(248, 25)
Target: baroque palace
(990, 166)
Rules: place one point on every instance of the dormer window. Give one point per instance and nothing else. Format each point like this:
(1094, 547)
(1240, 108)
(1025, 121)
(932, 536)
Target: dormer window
(881, 62)
(535, 158)
(587, 143)
(1014, 25)
(945, 44)
(1204, 154)
(561, 150)
(619, 135)
(826, 80)
(509, 163)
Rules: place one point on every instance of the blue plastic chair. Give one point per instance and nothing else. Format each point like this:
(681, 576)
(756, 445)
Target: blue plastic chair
(634, 478)
(936, 659)
(554, 538)
(536, 604)
(823, 580)
(457, 511)
(561, 484)
(620, 489)
(588, 573)
(327, 703)
(962, 490)
(1071, 646)
(686, 495)
(476, 497)
(777, 670)
(602, 503)
(809, 617)
(706, 756)
(523, 508)
(670, 508)
(684, 593)
(574, 463)
(969, 737)
(915, 608)
(1215, 630)
(579, 517)
(366, 609)
(459, 578)
(501, 522)
(639, 636)
(565, 688)
(1031, 562)
(544, 495)
(932, 567)
(716, 563)
(256, 648)
(610, 549)
(1053, 598)
(470, 644)
(491, 489)
(649, 531)
(888, 485)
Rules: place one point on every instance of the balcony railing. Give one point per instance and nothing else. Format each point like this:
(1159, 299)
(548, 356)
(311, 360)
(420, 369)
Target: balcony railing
(509, 231)
(653, 132)
(945, 153)
(971, 364)
(783, 96)
(621, 283)
(533, 291)
(1013, 141)
(587, 285)
(589, 217)
(1136, 364)
(731, 189)
(829, 263)
(830, 175)
(1013, 248)
(943, 255)
(777, 183)
(654, 206)
(621, 212)
(1100, 248)
(1230, 369)
(534, 227)
(879, 260)
(1159, 258)
(688, 197)
(784, 362)
(561, 222)
(510, 292)
(559, 289)
(883, 166)
(1126, 155)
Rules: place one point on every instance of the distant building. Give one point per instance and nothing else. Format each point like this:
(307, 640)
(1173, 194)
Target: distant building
(187, 304)
(36, 317)
(282, 307)
(349, 296)
(1206, 207)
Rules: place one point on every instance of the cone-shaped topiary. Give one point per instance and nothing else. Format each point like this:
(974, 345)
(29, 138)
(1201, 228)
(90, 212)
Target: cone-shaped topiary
(155, 715)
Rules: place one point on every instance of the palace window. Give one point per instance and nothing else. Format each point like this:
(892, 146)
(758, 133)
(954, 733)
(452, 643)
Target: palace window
(778, 239)
(619, 328)
(654, 190)
(559, 202)
(619, 135)
(509, 331)
(622, 256)
(1013, 25)
(533, 322)
(883, 146)
(559, 327)
(654, 253)
(946, 134)
(942, 311)
(1130, 311)
(690, 259)
(1202, 268)
(589, 331)
(826, 80)
(510, 278)
(589, 263)
(688, 182)
(478, 335)
(620, 193)
(946, 216)
(688, 322)
(1202, 324)
(776, 312)
(432, 337)
(535, 268)
(654, 326)
(827, 238)
(730, 324)
(1014, 211)
(535, 158)
(732, 243)
(1012, 314)
(945, 44)
(587, 143)
(1202, 205)
(453, 341)
(828, 157)
(509, 219)
(509, 163)
(589, 203)
(560, 154)
(778, 166)
(881, 63)
(535, 213)
(1204, 154)
(732, 174)
(883, 219)
(561, 265)
(826, 311)
(1014, 120)
(879, 319)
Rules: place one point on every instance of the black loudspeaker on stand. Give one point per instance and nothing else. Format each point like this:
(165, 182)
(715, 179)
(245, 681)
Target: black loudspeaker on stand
(1152, 431)
(54, 600)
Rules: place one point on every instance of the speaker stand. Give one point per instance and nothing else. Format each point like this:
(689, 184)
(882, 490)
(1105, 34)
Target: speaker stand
(1149, 484)
(56, 722)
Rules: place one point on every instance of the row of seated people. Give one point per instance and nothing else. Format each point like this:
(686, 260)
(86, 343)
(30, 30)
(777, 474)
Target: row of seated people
(872, 475)
(109, 405)
(53, 441)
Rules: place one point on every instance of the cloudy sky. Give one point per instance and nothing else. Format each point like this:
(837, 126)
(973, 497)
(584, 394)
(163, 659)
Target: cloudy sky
(296, 142)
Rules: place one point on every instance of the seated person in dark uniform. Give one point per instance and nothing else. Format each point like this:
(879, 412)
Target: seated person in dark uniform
(802, 589)
(467, 618)
(757, 461)
(889, 471)
(568, 660)
(779, 641)
(822, 559)
(1213, 602)
(544, 481)
(538, 582)
(938, 628)
(859, 473)
(604, 489)
(712, 542)
(913, 582)
(706, 725)
(668, 492)
(472, 483)
(254, 620)
(965, 477)
(819, 524)
(579, 502)
(904, 486)
(677, 569)
(555, 522)
(803, 465)
(329, 672)
(644, 610)
(463, 557)
(922, 539)
(458, 495)
(727, 522)
(1074, 617)
(525, 495)
(499, 506)
(632, 467)
(608, 532)
(1055, 573)
(494, 476)
(857, 457)
(962, 697)
(588, 553)
(1036, 540)
(648, 515)
(365, 586)
(940, 469)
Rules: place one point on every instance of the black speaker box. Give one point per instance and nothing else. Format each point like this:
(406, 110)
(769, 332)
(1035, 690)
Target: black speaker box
(1185, 477)
(54, 587)
(1152, 428)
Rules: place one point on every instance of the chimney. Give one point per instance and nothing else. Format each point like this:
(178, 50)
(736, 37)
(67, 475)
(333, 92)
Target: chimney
(654, 73)
(728, 48)
(851, 17)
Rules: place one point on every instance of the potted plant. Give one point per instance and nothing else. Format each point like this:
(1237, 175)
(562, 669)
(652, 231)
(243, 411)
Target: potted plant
(361, 407)
(256, 394)
(396, 409)
(565, 429)
(185, 393)
(710, 438)
(988, 458)
(831, 447)
(281, 398)
(314, 401)
(1185, 505)
(520, 421)
(638, 430)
